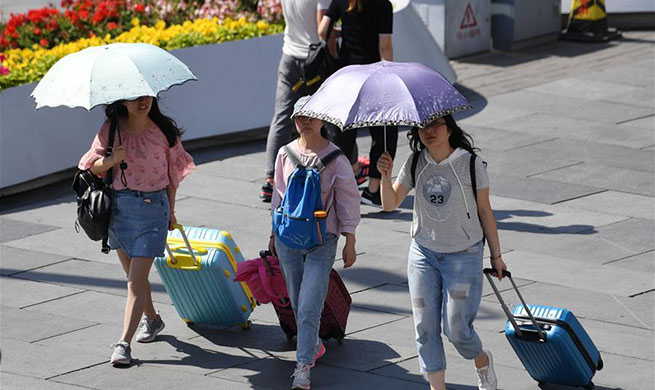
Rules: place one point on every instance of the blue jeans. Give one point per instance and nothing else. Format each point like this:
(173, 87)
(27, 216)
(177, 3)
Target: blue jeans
(445, 287)
(307, 273)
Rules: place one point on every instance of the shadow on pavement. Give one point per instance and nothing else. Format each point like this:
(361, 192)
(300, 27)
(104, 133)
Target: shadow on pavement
(74, 280)
(478, 102)
(366, 275)
(52, 194)
(267, 337)
(535, 53)
(200, 357)
(502, 215)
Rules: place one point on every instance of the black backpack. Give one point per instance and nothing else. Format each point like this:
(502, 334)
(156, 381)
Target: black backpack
(94, 200)
(319, 64)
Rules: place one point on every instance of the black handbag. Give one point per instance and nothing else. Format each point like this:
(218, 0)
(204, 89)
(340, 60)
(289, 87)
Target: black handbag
(319, 64)
(94, 199)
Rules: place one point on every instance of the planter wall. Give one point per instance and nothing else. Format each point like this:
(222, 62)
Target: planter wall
(235, 92)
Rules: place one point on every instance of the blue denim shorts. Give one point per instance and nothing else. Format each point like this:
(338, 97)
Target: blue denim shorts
(139, 222)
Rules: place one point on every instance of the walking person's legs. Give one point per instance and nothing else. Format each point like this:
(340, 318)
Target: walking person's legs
(462, 290)
(313, 291)
(425, 282)
(281, 128)
(149, 308)
(138, 294)
(307, 274)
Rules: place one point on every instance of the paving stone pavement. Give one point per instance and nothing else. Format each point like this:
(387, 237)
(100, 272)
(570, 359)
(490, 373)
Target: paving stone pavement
(568, 131)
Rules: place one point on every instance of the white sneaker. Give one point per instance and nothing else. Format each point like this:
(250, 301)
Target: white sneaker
(301, 378)
(149, 329)
(122, 355)
(487, 376)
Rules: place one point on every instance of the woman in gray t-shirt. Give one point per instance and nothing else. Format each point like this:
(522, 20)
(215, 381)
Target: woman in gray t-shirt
(445, 258)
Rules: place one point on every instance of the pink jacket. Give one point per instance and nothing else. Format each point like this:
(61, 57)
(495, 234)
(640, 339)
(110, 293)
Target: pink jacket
(338, 187)
(151, 164)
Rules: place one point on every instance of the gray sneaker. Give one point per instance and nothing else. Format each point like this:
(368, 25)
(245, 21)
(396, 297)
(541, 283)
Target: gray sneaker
(301, 377)
(122, 355)
(487, 376)
(149, 329)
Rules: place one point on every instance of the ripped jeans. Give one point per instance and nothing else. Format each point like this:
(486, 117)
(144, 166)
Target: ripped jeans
(448, 287)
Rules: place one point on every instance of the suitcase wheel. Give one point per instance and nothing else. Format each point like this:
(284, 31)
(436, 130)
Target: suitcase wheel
(589, 386)
(600, 364)
(541, 384)
(246, 325)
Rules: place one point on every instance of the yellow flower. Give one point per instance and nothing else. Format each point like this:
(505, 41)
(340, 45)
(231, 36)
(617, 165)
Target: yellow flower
(160, 25)
(135, 22)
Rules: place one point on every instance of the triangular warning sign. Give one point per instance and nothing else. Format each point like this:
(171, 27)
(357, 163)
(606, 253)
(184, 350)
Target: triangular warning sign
(469, 18)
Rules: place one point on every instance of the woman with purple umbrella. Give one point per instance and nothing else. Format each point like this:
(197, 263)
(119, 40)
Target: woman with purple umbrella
(452, 216)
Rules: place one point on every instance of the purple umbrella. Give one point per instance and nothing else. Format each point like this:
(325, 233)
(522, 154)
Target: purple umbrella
(384, 94)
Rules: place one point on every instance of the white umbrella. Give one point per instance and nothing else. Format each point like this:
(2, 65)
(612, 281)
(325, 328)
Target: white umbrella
(105, 74)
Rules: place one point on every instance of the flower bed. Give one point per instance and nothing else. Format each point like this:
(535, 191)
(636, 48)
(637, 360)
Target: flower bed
(28, 65)
(33, 42)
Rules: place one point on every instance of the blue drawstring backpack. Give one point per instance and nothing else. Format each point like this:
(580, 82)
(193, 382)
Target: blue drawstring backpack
(299, 221)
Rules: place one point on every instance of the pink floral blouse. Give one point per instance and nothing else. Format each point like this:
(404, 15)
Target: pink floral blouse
(151, 164)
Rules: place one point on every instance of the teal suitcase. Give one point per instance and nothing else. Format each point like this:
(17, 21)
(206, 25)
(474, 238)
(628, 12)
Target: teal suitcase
(198, 275)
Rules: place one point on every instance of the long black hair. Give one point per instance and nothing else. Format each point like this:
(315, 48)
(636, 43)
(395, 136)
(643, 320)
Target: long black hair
(458, 138)
(166, 125)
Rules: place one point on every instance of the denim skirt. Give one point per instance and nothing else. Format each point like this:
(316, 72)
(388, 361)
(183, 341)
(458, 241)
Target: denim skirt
(139, 222)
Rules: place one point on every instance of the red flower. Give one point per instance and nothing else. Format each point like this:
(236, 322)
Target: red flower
(3, 70)
(36, 31)
(140, 8)
(44, 42)
(111, 26)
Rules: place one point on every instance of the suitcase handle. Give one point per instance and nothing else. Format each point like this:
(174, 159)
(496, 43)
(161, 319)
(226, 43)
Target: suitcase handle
(188, 245)
(488, 272)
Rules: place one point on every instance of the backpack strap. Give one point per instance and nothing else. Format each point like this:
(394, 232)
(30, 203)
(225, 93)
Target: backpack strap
(474, 184)
(323, 163)
(415, 157)
(473, 180)
(113, 124)
(293, 157)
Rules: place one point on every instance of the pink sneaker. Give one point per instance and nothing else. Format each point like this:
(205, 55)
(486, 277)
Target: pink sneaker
(320, 351)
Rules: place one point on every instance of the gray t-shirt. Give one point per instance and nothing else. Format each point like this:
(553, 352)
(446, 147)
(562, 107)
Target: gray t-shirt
(445, 216)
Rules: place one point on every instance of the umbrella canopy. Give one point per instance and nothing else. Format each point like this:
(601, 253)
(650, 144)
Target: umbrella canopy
(105, 74)
(383, 94)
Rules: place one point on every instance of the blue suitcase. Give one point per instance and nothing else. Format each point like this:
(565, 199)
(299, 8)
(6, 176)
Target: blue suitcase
(550, 342)
(198, 275)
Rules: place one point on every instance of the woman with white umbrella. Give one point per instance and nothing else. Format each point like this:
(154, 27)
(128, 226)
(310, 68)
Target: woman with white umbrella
(139, 150)
(143, 202)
